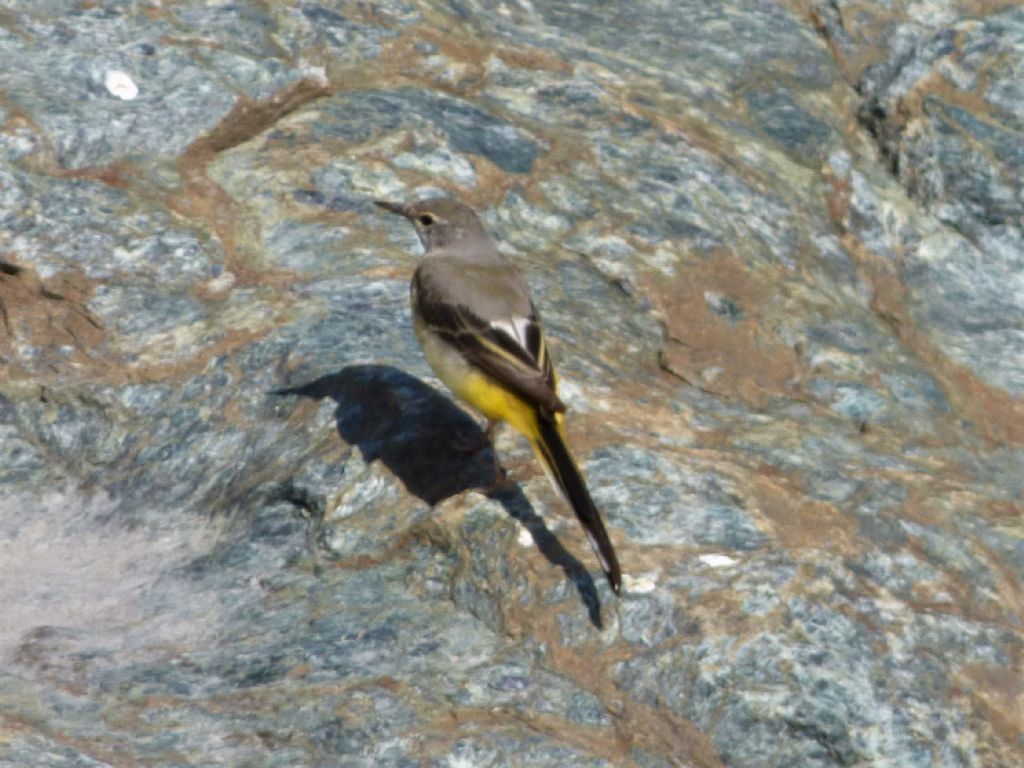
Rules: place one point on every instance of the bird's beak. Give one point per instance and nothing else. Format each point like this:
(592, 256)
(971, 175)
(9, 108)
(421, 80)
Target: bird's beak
(399, 208)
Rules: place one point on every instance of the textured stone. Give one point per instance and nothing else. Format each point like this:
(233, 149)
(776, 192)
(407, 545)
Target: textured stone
(943, 105)
(777, 252)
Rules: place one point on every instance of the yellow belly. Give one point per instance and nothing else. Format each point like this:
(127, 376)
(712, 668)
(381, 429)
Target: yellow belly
(473, 387)
(497, 403)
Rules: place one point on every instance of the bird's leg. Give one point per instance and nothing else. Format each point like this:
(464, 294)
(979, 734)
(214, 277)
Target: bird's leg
(472, 444)
(500, 475)
(466, 441)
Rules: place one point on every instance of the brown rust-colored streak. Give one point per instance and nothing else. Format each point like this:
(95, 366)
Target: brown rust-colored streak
(636, 725)
(453, 724)
(666, 734)
(655, 729)
(999, 693)
(1006, 607)
(658, 730)
(402, 64)
(866, 25)
(117, 175)
(204, 199)
(801, 523)
(751, 365)
(465, 44)
(996, 414)
(49, 315)
(249, 118)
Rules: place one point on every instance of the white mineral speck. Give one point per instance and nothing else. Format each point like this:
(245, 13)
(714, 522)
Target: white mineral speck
(221, 283)
(717, 561)
(642, 584)
(120, 85)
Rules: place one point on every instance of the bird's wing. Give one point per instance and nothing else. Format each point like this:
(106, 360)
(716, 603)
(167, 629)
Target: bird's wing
(509, 349)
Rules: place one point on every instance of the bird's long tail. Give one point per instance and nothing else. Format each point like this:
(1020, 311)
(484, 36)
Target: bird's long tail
(552, 450)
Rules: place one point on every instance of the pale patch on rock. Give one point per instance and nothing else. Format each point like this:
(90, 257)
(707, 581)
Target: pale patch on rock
(717, 561)
(120, 84)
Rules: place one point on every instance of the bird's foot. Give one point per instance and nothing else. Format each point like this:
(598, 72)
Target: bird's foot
(501, 481)
(470, 441)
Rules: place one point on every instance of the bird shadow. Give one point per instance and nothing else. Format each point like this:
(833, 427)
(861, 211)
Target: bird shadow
(409, 426)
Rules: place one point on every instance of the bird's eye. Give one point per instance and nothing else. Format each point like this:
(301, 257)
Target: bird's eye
(426, 219)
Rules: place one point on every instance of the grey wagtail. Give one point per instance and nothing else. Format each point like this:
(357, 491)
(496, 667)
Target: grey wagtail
(474, 318)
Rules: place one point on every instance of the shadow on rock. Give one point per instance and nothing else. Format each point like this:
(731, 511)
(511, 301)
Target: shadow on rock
(396, 418)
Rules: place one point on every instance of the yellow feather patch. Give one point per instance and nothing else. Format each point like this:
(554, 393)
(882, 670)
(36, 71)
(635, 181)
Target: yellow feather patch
(497, 403)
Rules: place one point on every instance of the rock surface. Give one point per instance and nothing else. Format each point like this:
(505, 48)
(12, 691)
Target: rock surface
(778, 250)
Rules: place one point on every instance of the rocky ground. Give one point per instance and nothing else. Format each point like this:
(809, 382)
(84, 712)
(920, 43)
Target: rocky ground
(779, 251)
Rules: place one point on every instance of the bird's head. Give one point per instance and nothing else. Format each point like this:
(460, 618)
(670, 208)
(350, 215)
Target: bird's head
(439, 222)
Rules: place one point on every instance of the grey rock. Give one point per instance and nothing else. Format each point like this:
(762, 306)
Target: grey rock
(67, 94)
(963, 165)
(467, 129)
(777, 257)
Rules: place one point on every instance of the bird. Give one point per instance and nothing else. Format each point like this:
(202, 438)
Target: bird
(481, 334)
